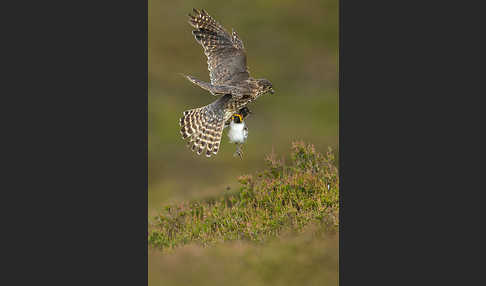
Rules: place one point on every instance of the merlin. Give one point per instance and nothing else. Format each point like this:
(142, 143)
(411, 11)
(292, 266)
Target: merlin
(230, 80)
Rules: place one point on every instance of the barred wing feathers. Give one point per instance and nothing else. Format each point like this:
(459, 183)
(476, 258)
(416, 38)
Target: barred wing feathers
(225, 52)
(203, 126)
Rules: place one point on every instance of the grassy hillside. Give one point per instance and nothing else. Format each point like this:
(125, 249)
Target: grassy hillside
(282, 197)
(278, 228)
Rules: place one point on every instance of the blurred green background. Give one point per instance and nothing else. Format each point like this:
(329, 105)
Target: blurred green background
(294, 44)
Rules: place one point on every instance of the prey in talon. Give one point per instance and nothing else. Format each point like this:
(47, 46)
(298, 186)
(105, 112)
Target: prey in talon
(238, 131)
(230, 82)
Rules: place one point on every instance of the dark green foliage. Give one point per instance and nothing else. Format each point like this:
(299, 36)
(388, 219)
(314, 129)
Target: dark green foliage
(280, 198)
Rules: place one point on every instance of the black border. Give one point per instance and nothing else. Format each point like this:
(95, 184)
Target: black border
(396, 75)
(78, 142)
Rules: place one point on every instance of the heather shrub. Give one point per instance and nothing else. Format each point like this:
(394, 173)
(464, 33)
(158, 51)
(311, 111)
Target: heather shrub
(281, 198)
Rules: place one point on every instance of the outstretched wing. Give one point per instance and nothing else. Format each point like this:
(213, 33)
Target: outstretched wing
(203, 126)
(225, 52)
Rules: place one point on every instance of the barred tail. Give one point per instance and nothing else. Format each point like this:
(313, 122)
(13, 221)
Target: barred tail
(202, 129)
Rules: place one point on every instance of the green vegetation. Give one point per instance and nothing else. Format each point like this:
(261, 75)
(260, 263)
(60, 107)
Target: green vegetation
(281, 199)
(255, 239)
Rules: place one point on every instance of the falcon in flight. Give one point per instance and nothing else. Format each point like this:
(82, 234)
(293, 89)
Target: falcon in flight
(230, 80)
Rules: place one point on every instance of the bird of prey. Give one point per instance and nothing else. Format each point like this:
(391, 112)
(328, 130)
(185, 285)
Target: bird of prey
(230, 80)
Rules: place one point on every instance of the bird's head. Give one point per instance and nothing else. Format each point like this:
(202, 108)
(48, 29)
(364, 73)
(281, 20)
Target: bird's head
(264, 86)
